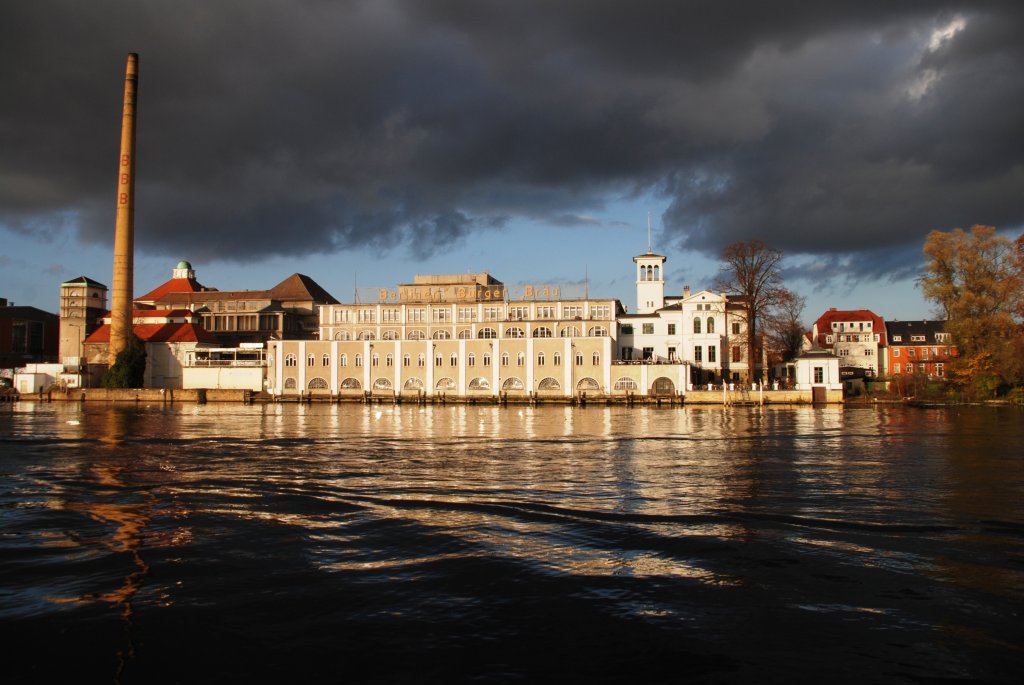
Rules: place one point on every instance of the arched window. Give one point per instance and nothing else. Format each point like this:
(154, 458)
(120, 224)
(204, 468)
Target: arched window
(442, 335)
(579, 358)
(512, 384)
(389, 335)
(375, 359)
(556, 359)
(504, 358)
(317, 384)
(663, 386)
(359, 360)
(465, 334)
(643, 273)
(416, 335)
(310, 360)
(597, 331)
(542, 332)
(540, 359)
(656, 276)
(596, 359)
(421, 360)
(711, 324)
(290, 360)
(367, 335)
(406, 360)
(696, 326)
(521, 359)
(343, 360)
(382, 384)
(626, 384)
(439, 359)
(479, 384)
(569, 332)
(453, 360)
(341, 335)
(514, 332)
(487, 333)
(549, 384)
(351, 384)
(389, 360)
(588, 384)
(445, 384)
(471, 359)
(289, 383)
(414, 384)
(325, 360)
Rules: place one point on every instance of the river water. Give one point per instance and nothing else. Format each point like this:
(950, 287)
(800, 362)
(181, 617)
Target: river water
(448, 544)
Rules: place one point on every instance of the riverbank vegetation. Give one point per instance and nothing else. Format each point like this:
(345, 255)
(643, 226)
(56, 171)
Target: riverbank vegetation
(976, 280)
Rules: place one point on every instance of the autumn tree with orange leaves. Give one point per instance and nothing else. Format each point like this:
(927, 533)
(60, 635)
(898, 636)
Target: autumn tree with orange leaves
(976, 280)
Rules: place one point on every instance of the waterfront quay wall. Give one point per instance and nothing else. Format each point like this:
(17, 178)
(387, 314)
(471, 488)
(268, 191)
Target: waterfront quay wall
(199, 395)
(696, 397)
(145, 395)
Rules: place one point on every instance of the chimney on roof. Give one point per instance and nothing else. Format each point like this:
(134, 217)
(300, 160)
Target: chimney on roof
(686, 291)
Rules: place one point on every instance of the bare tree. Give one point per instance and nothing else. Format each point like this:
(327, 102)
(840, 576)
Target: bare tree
(783, 326)
(750, 273)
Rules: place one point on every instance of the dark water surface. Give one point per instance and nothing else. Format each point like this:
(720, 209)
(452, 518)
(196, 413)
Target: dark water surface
(450, 544)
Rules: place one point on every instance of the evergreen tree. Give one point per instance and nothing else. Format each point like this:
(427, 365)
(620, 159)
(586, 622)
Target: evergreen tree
(129, 369)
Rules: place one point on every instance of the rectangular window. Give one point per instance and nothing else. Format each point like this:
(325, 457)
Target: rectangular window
(895, 352)
(600, 311)
(441, 314)
(671, 329)
(648, 353)
(910, 368)
(896, 367)
(416, 314)
(736, 328)
(494, 313)
(518, 313)
(671, 354)
(819, 374)
(698, 354)
(869, 352)
(467, 313)
(712, 354)
(545, 312)
(910, 352)
(939, 369)
(648, 329)
(737, 354)
(572, 312)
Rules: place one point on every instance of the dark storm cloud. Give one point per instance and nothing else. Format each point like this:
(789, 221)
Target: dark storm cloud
(290, 128)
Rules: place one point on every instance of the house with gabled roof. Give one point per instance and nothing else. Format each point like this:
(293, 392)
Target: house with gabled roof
(856, 336)
(919, 347)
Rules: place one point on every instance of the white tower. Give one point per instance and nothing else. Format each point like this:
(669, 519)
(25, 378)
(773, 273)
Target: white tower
(650, 278)
(650, 282)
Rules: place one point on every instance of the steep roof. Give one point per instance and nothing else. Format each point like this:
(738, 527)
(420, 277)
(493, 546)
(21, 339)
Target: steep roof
(159, 333)
(84, 280)
(301, 287)
(906, 329)
(175, 285)
(825, 321)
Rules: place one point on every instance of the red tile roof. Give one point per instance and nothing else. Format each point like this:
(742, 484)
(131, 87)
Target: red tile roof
(159, 333)
(824, 323)
(175, 285)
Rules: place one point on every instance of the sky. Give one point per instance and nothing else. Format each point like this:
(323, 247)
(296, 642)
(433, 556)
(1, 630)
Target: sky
(364, 142)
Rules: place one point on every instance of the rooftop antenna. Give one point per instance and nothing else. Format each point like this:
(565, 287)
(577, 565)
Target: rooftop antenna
(586, 281)
(355, 288)
(648, 233)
